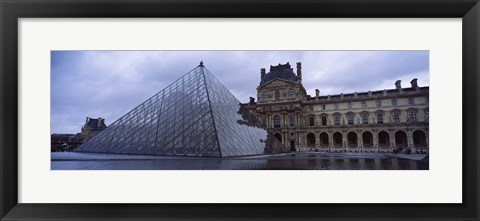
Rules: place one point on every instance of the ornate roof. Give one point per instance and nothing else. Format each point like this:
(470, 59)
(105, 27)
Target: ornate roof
(284, 72)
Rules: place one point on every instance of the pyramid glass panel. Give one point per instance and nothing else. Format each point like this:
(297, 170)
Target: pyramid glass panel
(194, 116)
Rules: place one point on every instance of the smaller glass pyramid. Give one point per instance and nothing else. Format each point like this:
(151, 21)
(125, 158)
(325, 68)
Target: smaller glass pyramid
(194, 116)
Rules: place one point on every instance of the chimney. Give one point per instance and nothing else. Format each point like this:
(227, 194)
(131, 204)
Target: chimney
(262, 73)
(398, 85)
(355, 95)
(414, 84)
(384, 92)
(369, 93)
(86, 121)
(99, 122)
(252, 100)
(341, 96)
(299, 70)
(317, 93)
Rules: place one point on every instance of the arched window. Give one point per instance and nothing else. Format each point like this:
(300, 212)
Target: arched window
(412, 116)
(350, 118)
(336, 119)
(290, 94)
(264, 97)
(364, 118)
(324, 120)
(396, 117)
(276, 121)
(310, 139)
(277, 95)
(379, 117)
(290, 120)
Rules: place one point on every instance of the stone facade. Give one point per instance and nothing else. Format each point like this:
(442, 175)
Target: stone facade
(373, 121)
(92, 127)
(67, 142)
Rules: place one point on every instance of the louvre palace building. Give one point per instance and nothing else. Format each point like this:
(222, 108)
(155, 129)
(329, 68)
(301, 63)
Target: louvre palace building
(371, 121)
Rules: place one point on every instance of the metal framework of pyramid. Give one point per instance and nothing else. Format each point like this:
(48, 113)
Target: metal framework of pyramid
(194, 116)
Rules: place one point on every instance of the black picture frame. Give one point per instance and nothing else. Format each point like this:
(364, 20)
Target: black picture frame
(12, 10)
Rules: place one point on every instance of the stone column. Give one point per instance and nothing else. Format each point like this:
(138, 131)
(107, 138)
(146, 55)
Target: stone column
(300, 140)
(360, 142)
(345, 141)
(410, 138)
(295, 119)
(268, 121)
(392, 140)
(297, 142)
(304, 138)
(375, 139)
(330, 141)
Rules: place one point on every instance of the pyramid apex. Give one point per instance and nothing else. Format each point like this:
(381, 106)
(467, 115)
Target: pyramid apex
(201, 64)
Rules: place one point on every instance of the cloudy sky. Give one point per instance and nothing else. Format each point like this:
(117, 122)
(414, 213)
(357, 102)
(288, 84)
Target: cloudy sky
(110, 83)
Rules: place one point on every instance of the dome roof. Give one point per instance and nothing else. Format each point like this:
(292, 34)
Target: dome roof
(284, 72)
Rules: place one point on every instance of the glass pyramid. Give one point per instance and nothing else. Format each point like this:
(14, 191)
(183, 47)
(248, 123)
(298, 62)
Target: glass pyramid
(194, 116)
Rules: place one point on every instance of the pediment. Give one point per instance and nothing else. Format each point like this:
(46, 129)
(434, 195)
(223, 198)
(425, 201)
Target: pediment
(277, 82)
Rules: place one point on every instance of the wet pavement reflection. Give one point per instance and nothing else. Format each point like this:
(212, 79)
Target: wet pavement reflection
(290, 161)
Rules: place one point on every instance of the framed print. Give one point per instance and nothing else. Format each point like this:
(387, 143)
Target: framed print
(251, 110)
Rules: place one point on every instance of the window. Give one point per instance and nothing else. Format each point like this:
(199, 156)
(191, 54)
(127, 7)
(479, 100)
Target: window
(396, 117)
(264, 97)
(364, 118)
(276, 121)
(410, 100)
(324, 121)
(324, 107)
(290, 94)
(380, 118)
(312, 121)
(412, 117)
(394, 102)
(290, 120)
(335, 106)
(336, 119)
(364, 104)
(264, 109)
(349, 105)
(350, 118)
(264, 121)
(378, 103)
(277, 95)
